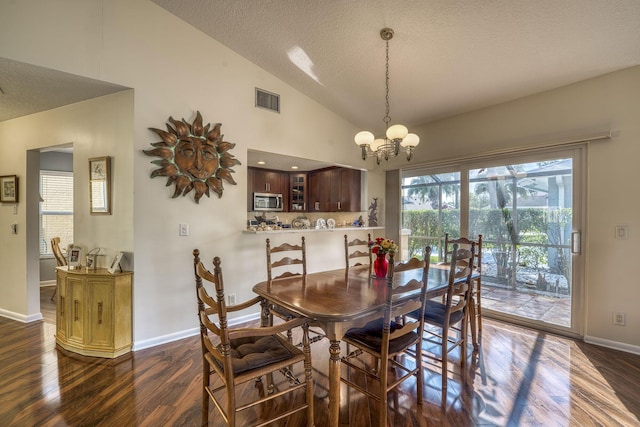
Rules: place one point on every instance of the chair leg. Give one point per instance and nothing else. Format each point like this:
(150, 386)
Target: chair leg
(472, 320)
(206, 378)
(54, 293)
(383, 393)
(479, 310)
(306, 344)
(420, 378)
(445, 357)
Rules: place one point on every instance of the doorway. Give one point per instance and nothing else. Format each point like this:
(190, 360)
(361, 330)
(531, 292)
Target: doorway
(55, 218)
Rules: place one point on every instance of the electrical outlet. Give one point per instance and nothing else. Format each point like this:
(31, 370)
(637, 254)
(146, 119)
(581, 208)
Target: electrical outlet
(618, 319)
(232, 299)
(184, 229)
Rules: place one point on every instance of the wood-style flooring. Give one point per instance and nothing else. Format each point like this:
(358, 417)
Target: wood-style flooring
(521, 377)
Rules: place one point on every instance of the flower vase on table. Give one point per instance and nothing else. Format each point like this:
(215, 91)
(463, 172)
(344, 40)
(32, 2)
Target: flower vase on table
(380, 247)
(381, 265)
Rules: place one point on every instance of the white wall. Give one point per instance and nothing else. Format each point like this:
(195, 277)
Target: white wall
(607, 102)
(98, 127)
(174, 70)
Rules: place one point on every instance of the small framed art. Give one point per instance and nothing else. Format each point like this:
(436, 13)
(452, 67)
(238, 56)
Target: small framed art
(74, 256)
(115, 264)
(100, 186)
(9, 189)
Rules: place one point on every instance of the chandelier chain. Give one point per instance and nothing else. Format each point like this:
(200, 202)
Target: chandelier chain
(387, 118)
(397, 137)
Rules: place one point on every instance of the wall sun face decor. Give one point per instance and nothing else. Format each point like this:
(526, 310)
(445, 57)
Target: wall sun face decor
(193, 157)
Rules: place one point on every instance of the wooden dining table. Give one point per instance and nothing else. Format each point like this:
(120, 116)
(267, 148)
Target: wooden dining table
(339, 300)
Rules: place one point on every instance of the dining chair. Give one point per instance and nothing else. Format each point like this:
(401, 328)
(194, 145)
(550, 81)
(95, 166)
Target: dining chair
(287, 260)
(238, 355)
(284, 265)
(475, 307)
(445, 324)
(60, 259)
(357, 252)
(388, 341)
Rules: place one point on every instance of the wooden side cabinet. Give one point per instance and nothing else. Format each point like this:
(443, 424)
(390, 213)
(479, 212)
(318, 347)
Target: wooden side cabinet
(93, 311)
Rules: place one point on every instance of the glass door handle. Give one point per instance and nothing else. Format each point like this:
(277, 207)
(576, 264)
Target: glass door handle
(576, 242)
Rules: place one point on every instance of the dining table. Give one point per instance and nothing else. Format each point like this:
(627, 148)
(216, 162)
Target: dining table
(341, 299)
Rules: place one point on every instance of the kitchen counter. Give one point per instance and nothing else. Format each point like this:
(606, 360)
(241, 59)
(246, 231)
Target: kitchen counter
(307, 230)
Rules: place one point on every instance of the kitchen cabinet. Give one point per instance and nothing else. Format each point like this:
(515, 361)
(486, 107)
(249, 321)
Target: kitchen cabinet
(267, 181)
(298, 185)
(334, 190)
(93, 311)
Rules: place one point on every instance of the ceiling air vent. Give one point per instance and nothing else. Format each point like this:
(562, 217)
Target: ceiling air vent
(267, 100)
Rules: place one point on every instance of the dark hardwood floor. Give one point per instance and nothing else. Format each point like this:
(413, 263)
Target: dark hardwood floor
(520, 377)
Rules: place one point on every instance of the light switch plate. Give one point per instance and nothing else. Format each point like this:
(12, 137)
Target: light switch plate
(184, 230)
(622, 232)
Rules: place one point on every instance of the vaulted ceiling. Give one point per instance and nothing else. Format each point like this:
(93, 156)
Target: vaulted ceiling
(446, 58)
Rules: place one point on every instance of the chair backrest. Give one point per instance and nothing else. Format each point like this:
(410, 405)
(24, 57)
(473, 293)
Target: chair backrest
(357, 252)
(208, 306)
(396, 310)
(465, 243)
(459, 285)
(57, 252)
(287, 251)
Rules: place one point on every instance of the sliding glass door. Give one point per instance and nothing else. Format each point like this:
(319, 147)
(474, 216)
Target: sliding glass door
(529, 211)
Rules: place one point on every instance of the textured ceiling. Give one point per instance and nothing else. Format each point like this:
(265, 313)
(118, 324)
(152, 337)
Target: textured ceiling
(27, 89)
(447, 57)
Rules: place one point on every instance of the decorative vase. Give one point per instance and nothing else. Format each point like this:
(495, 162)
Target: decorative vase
(380, 265)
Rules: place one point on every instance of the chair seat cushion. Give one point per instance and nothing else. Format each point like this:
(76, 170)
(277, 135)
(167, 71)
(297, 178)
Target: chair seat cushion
(370, 335)
(255, 352)
(434, 313)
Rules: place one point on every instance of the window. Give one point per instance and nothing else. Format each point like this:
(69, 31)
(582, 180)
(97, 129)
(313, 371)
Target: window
(430, 208)
(56, 209)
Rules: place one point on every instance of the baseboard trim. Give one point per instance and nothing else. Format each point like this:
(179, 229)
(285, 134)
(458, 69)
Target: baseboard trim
(164, 339)
(45, 283)
(20, 317)
(616, 345)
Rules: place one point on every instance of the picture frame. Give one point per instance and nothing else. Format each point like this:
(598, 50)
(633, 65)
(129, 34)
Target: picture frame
(9, 189)
(74, 256)
(100, 185)
(115, 264)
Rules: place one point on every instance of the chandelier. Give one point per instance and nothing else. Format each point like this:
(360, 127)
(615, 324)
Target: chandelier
(397, 137)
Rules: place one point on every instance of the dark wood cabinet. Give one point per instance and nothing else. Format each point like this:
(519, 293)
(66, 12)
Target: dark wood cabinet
(325, 190)
(298, 186)
(334, 190)
(267, 181)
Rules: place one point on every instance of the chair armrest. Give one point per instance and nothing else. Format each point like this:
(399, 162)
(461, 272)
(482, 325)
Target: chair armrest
(246, 304)
(265, 331)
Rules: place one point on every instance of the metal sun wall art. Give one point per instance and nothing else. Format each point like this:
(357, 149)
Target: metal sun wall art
(193, 157)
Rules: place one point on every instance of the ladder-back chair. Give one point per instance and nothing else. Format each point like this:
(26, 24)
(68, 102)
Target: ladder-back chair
(60, 259)
(388, 342)
(239, 355)
(357, 252)
(475, 309)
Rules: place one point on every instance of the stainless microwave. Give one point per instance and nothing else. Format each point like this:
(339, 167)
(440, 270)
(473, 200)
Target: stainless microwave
(267, 202)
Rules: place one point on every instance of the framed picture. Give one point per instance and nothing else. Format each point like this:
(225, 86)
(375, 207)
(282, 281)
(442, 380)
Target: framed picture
(74, 256)
(9, 189)
(115, 263)
(100, 186)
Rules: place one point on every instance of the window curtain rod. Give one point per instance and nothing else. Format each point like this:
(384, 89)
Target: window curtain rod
(600, 136)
